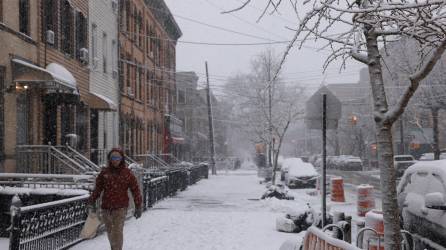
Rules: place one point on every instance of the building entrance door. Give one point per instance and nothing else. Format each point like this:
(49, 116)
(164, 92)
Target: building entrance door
(50, 121)
(22, 118)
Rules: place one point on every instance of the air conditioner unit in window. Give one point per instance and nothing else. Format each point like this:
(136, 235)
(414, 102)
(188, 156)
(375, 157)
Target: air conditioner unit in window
(83, 55)
(130, 92)
(50, 37)
(151, 54)
(115, 73)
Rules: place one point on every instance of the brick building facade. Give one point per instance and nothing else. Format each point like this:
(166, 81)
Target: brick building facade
(147, 37)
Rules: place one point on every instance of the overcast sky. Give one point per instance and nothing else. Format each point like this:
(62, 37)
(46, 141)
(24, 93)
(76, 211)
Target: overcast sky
(304, 66)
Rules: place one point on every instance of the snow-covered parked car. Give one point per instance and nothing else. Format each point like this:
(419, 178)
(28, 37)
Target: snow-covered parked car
(300, 174)
(351, 163)
(402, 162)
(430, 156)
(421, 199)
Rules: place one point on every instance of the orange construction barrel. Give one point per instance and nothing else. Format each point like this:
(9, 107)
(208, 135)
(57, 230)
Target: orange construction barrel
(337, 189)
(366, 201)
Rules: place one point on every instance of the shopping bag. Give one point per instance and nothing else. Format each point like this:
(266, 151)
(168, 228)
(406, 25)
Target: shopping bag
(91, 226)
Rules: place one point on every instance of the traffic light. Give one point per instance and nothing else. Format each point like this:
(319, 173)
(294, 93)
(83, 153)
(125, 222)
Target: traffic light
(353, 119)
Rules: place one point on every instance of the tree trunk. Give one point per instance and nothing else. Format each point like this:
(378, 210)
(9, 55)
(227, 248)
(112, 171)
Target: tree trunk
(435, 132)
(276, 157)
(392, 237)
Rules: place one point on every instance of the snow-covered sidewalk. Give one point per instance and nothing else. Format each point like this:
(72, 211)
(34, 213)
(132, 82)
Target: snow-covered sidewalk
(218, 213)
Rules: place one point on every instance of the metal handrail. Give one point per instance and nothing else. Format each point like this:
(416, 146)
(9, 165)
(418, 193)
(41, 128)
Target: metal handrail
(83, 159)
(160, 160)
(360, 237)
(67, 158)
(334, 225)
(47, 158)
(404, 233)
(154, 158)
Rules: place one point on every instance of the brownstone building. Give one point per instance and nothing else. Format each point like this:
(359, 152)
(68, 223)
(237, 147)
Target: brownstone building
(148, 35)
(44, 75)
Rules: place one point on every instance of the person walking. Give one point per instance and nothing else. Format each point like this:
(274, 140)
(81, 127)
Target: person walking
(113, 183)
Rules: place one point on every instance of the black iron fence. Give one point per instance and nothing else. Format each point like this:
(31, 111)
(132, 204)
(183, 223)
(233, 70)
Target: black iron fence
(57, 224)
(53, 225)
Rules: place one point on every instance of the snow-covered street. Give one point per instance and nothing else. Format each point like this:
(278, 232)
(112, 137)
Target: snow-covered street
(221, 212)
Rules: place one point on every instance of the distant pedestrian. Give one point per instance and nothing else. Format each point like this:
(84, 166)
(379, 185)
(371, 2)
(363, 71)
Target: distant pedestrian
(113, 183)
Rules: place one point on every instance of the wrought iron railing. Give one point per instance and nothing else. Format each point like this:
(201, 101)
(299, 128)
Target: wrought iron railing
(46, 159)
(154, 190)
(57, 224)
(48, 226)
(151, 162)
(59, 181)
(79, 158)
(100, 156)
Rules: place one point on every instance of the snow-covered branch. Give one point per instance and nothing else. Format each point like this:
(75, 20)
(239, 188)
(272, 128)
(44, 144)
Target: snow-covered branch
(415, 80)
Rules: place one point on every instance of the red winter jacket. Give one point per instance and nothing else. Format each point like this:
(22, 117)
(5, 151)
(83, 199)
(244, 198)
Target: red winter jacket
(114, 182)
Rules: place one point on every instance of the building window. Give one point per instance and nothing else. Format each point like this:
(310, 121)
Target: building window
(135, 21)
(147, 39)
(140, 30)
(104, 52)
(137, 83)
(81, 33)
(141, 86)
(127, 16)
(66, 24)
(127, 78)
(94, 44)
(181, 96)
(49, 19)
(24, 16)
(1, 10)
(114, 52)
(2, 107)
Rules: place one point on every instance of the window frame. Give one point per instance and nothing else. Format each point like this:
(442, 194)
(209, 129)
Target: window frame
(1, 11)
(104, 52)
(66, 25)
(81, 32)
(2, 114)
(94, 43)
(50, 22)
(24, 26)
(183, 91)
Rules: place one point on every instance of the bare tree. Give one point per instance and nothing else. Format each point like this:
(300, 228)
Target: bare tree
(367, 26)
(264, 120)
(400, 63)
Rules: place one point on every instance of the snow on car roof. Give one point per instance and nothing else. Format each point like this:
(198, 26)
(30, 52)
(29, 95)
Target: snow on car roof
(397, 156)
(296, 167)
(433, 167)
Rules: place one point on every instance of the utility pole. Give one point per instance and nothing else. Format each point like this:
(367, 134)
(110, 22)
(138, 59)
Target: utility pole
(324, 158)
(270, 126)
(211, 126)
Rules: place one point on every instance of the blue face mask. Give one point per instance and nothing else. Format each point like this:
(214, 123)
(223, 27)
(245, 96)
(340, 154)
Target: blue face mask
(115, 158)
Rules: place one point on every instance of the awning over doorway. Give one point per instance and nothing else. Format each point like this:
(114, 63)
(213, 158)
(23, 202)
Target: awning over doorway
(54, 77)
(98, 102)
